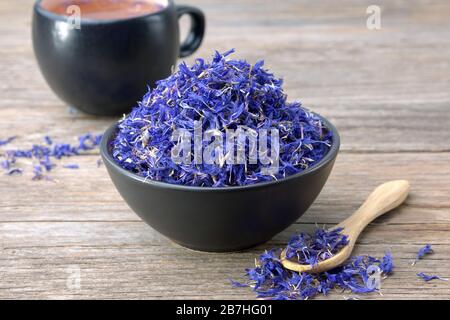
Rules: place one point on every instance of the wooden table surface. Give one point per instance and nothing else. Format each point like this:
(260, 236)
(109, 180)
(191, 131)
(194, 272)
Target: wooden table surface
(387, 91)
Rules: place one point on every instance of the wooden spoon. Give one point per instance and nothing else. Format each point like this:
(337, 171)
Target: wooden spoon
(384, 198)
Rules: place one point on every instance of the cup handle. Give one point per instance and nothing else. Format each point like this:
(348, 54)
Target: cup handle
(195, 35)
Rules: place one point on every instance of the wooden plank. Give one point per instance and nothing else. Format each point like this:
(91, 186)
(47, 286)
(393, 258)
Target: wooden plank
(121, 257)
(130, 271)
(65, 198)
(386, 91)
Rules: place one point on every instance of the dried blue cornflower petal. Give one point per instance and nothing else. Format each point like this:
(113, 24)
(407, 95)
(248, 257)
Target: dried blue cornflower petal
(5, 164)
(71, 166)
(37, 172)
(223, 94)
(387, 264)
(43, 155)
(422, 252)
(14, 171)
(426, 277)
(237, 284)
(48, 140)
(6, 141)
(270, 280)
(311, 249)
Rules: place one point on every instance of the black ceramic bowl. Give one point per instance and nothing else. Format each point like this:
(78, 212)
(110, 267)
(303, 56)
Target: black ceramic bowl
(220, 219)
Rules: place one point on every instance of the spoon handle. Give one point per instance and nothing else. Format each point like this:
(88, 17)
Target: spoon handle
(384, 198)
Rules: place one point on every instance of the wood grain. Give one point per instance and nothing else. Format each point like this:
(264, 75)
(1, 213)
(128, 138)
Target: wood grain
(387, 91)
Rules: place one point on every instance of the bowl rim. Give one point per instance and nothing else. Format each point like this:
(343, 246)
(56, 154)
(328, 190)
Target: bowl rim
(109, 161)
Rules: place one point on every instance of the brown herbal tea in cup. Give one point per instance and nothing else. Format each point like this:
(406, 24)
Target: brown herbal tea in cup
(104, 9)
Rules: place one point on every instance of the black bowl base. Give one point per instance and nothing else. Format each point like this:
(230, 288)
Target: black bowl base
(212, 250)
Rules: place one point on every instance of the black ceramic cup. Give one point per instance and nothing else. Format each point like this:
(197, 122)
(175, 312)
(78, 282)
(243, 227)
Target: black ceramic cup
(220, 219)
(104, 67)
